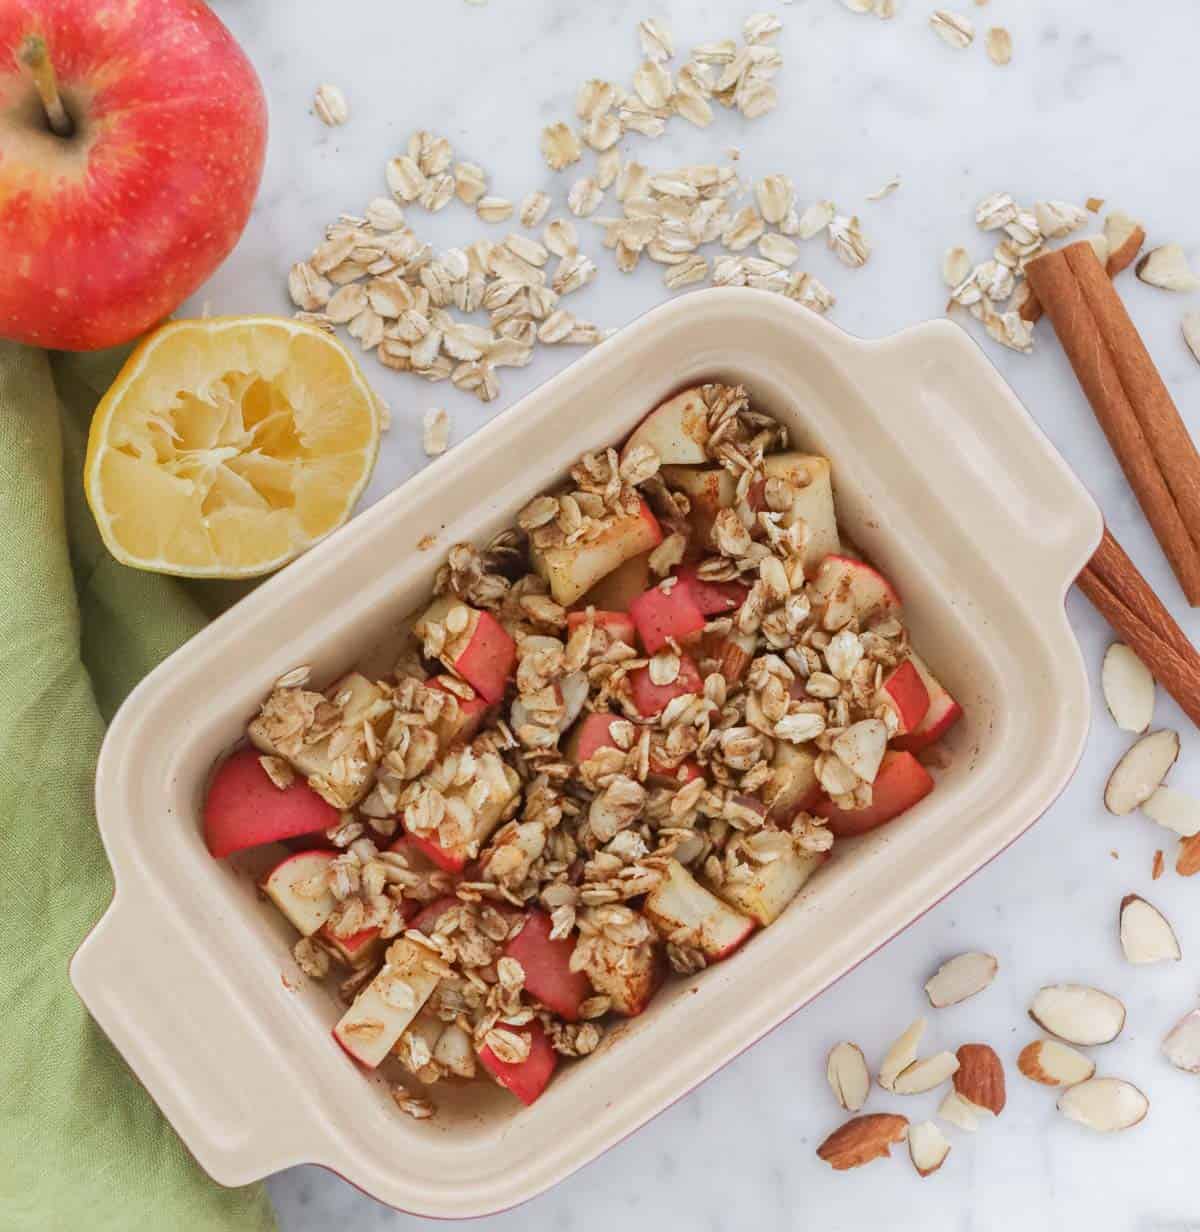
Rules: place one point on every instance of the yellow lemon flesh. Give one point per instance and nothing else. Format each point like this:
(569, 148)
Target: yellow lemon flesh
(226, 447)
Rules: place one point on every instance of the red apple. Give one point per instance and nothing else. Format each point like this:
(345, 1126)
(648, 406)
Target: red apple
(356, 950)
(284, 883)
(546, 961)
(650, 698)
(616, 590)
(942, 714)
(661, 614)
(905, 693)
(464, 727)
(866, 589)
(679, 906)
(244, 808)
(527, 1079)
(617, 625)
(901, 782)
(107, 227)
(712, 598)
(426, 920)
(677, 430)
(482, 653)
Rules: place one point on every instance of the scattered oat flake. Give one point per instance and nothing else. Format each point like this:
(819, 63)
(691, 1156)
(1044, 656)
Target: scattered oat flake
(330, 105)
(494, 209)
(886, 190)
(956, 266)
(585, 197)
(560, 146)
(656, 39)
(1011, 330)
(435, 431)
(761, 27)
(815, 219)
(534, 208)
(847, 241)
(1191, 332)
(999, 45)
(952, 28)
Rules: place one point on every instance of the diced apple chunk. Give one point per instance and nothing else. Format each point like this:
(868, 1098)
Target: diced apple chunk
(709, 489)
(770, 887)
(381, 1013)
(904, 693)
(616, 590)
(475, 646)
(812, 478)
(650, 698)
(677, 430)
(618, 625)
(685, 912)
(361, 702)
(468, 716)
(356, 950)
(546, 962)
(298, 887)
(712, 598)
(503, 785)
(572, 570)
(244, 808)
(628, 975)
(793, 784)
(940, 716)
(842, 580)
(900, 783)
(666, 613)
(525, 1079)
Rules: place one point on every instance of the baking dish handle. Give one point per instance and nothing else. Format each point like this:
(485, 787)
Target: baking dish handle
(179, 1022)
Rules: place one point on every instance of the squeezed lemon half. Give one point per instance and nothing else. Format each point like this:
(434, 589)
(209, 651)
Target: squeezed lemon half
(228, 446)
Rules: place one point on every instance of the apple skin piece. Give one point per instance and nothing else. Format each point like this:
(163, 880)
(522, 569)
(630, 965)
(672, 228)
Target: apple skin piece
(618, 625)
(868, 590)
(483, 654)
(356, 950)
(680, 902)
(527, 1079)
(677, 430)
(793, 787)
(661, 615)
(712, 598)
(940, 717)
(548, 974)
(615, 591)
(244, 808)
(472, 714)
(905, 693)
(901, 782)
(427, 918)
(764, 896)
(592, 733)
(107, 230)
(650, 698)
(813, 501)
(405, 963)
(573, 571)
(306, 915)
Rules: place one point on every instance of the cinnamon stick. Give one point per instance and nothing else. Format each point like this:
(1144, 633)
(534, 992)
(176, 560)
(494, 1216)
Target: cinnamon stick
(1089, 330)
(1120, 593)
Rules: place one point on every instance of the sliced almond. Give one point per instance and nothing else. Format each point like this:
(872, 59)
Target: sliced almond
(846, 1069)
(1146, 937)
(1139, 774)
(927, 1147)
(1125, 237)
(956, 266)
(861, 1140)
(1182, 1045)
(999, 45)
(957, 1111)
(901, 1055)
(1167, 267)
(979, 1078)
(1054, 1064)
(1104, 1104)
(861, 747)
(1187, 861)
(1128, 688)
(1175, 810)
(1191, 332)
(1078, 1014)
(924, 1075)
(960, 977)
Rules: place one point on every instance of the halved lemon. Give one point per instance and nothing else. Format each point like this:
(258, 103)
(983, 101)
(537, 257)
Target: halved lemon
(228, 446)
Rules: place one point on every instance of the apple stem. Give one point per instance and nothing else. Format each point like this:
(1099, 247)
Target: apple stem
(36, 59)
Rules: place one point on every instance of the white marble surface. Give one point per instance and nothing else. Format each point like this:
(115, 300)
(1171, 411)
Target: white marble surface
(1095, 103)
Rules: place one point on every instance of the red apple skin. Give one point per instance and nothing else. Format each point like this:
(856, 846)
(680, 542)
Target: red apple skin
(901, 782)
(107, 232)
(712, 598)
(546, 960)
(357, 949)
(244, 808)
(617, 625)
(941, 716)
(660, 615)
(528, 1079)
(487, 661)
(650, 698)
(592, 733)
(426, 919)
(450, 861)
(908, 695)
(471, 715)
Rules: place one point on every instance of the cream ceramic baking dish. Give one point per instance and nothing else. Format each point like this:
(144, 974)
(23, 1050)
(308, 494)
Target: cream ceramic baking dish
(940, 477)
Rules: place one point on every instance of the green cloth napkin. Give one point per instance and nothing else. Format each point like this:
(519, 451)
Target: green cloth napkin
(82, 1146)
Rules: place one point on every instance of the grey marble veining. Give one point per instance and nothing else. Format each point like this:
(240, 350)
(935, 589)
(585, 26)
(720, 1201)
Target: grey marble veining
(1096, 102)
